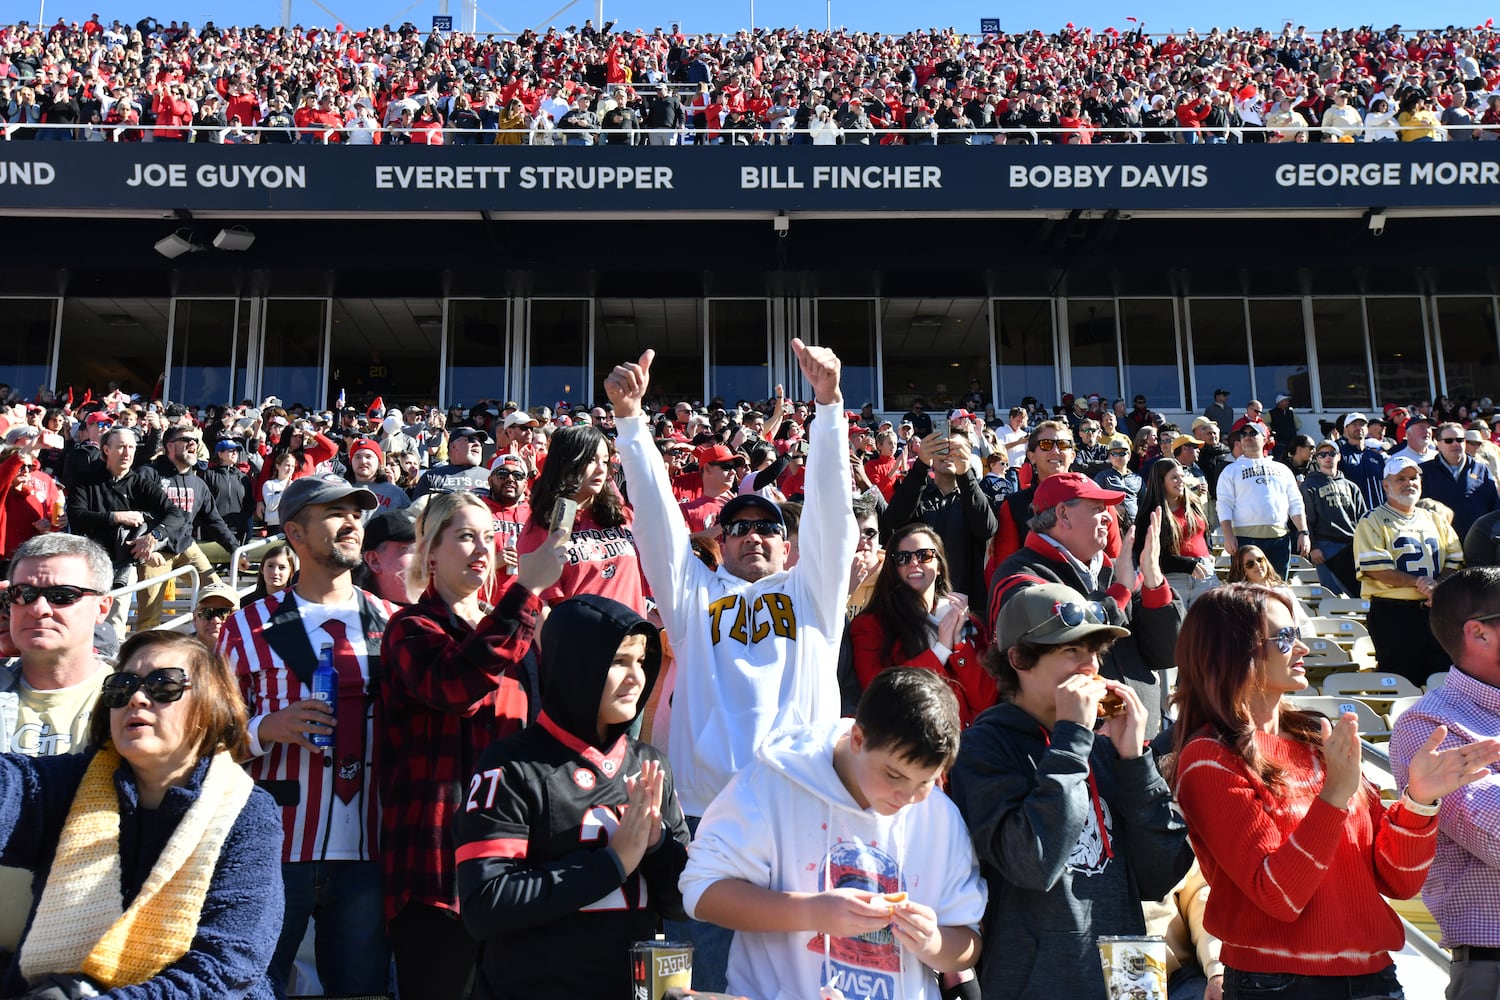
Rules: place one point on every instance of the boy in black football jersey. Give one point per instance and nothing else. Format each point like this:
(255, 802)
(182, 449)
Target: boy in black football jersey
(571, 840)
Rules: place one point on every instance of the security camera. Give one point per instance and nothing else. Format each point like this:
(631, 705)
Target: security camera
(1377, 223)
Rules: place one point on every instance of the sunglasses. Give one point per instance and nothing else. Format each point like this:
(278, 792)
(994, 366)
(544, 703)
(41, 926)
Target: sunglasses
(869, 533)
(766, 529)
(1118, 451)
(1054, 444)
(1285, 638)
(1326, 454)
(923, 556)
(62, 595)
(162, 686)
(724, 466)
(214, 614)
(508, 474)
(1450, 440)
(1073, 615)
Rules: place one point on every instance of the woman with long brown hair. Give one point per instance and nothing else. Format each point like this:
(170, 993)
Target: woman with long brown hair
(1298, 847)
(915, 619)
(1186, 558)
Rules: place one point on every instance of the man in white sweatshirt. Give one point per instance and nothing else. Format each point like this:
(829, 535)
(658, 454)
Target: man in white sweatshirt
(756, 645)
(1256, 496)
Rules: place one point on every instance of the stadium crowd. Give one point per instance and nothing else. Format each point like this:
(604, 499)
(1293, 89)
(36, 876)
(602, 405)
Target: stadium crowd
(603, 85)
(520, 677)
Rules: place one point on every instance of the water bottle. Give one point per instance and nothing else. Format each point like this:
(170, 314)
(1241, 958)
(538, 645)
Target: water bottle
(325, 688)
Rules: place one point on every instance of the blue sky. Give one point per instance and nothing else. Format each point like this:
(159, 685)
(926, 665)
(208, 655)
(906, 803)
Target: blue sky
(869, 15)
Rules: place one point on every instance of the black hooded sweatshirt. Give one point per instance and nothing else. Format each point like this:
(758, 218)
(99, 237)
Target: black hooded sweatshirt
(534, 875)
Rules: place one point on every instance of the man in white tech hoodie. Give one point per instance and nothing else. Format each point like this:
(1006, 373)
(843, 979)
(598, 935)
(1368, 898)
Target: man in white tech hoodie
(756, 644)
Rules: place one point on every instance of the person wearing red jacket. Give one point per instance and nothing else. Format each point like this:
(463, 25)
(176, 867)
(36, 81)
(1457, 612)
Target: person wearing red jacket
(173, 113)
(916, 619)
(30, 498)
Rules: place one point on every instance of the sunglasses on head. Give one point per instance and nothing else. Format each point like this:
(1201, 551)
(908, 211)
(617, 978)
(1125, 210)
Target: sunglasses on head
(1054, 444)
(766, 529)
(61, 595)
(1072, 615)
(1285, 638)
(162, 686)
(923, 556)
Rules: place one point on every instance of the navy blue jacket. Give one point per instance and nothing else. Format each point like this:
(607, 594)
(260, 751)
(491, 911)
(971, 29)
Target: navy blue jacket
(1365, 468)
(1470, 496)
(242, 913)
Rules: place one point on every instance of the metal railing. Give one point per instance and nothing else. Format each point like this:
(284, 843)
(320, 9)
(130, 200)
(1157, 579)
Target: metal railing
(757, 134)
(245, 550)
(154, 581)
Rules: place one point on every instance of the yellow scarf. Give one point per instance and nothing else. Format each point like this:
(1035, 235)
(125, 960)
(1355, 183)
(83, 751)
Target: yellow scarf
(79, 926)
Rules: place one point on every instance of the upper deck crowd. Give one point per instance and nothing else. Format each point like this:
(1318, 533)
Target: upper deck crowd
(607, 85)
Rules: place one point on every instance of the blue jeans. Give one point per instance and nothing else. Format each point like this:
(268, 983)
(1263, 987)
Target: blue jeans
(1278, 551)
(1289, 986)
(347, 907)
(1326, 576)
(710, 943)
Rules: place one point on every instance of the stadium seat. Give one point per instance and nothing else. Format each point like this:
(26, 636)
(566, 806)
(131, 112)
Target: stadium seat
(1437, 680)
(1341, 629)
(1372, 725)
(1371, 682)
(1351, 606)
(1399, 705)
(1363, 653)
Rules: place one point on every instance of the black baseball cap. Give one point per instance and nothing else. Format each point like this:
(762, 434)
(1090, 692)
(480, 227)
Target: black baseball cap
(322, 487)
(389, 526)
(743, 502)
(459, 433)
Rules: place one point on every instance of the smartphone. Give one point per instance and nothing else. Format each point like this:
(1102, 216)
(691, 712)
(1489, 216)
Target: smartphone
(563, 513)
(940, 426)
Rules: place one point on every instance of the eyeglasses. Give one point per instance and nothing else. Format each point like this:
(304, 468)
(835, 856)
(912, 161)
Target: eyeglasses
(1449, 440)
(766, 529)
(1054, 444)
(162, 686)
(1073, 615)
(214, 614)
(923, 556)
(1285, 638)
(61, 595)
(508, 474)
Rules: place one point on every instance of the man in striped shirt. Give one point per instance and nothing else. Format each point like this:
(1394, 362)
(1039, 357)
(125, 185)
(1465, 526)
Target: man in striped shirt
(330, 800)
(1464, 879)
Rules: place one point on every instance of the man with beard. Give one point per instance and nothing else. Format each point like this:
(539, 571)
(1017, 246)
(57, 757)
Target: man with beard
(330, 813)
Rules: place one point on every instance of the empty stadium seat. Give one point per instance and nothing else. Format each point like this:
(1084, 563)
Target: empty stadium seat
(1437, 680)
(1351, 606)
(1372, 725)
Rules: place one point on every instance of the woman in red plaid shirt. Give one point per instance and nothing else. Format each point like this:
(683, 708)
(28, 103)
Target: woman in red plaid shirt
(450, 689)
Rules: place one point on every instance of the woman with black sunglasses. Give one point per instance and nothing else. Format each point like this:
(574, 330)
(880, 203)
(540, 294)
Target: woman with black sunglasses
(1297, 846)
(916, 619)
(155, 851)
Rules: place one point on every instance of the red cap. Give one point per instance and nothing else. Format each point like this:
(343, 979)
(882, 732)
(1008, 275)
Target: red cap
(366, 444)
(99, 417)
(1067, 486)
(709, 454)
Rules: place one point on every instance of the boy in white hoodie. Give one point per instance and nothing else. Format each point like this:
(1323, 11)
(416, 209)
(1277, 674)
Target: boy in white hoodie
(845, 870)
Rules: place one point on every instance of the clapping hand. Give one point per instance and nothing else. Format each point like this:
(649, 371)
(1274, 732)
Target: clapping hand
(1434, 773)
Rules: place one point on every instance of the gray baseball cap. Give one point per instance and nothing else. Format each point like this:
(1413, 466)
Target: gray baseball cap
(1050, 614)
(322, 487)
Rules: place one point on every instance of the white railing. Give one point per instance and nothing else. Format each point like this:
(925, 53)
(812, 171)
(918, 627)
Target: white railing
(154, 581)
(245, 550)
(757, 134)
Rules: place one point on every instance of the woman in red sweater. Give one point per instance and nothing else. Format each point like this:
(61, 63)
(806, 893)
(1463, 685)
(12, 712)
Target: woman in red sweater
(914, 619)
(1297, 847)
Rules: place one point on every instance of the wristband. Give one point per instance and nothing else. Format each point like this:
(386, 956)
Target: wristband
(1413, 806)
